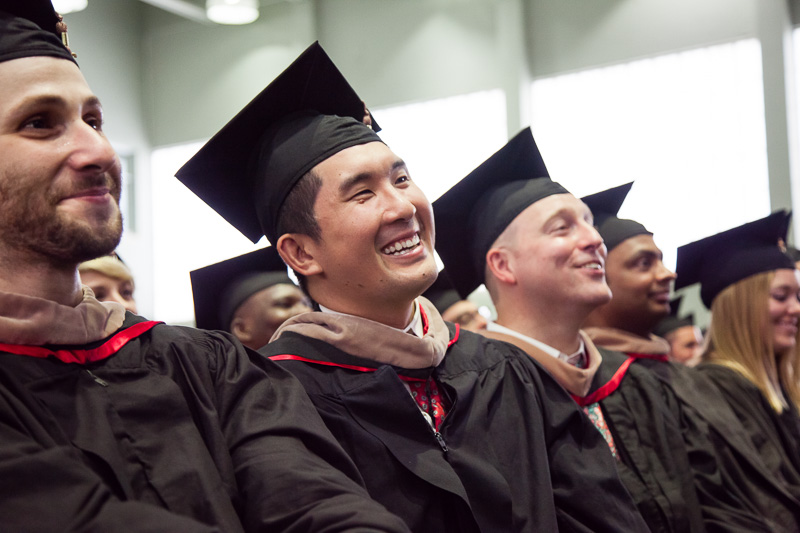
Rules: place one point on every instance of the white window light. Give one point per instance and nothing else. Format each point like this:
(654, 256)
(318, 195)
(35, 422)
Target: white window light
(688, 128)
(232, 11)
(69, 6)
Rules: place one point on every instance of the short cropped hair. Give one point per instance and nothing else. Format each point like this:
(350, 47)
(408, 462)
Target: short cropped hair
(297, 213)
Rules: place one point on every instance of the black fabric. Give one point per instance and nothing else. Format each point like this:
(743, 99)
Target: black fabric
(673, 321)
(520, 455)
(308, 113)
(653, 461)
(475, 211)
(28, 29)
(774, 437)
(736, 490)
(605, 206)
(219, 289)
(733, 255)
(178, 431)
(442, 294)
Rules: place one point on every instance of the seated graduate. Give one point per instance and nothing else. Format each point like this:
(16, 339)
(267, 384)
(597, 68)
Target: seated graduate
(683, 335)
(110, 280)
(249, 296)
(733, 486)
(451, 431)
(535, 247)
(751, 287)
(109, 422)
(452, 307)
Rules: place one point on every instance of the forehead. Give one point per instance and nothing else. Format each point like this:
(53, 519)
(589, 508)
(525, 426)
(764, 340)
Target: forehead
(369, 158)
(634, 246)
(30, 77)
(786, 277)
(541, 211)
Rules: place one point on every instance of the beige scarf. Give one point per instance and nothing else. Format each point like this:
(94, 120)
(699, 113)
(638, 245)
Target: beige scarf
(622, 341)
(36, 322)
(576, 380)
(375, 341)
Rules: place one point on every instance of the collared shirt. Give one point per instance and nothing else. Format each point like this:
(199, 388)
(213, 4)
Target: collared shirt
(415, 327)
(575, 359)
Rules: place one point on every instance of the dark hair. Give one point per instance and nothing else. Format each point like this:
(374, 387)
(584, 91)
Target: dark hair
(297, 213)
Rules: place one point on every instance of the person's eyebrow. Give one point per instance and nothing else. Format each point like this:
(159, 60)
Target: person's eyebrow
(27, 105)
(357, 179)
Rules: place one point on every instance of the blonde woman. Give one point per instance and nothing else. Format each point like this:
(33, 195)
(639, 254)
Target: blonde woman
(110, 279)
(753, 291)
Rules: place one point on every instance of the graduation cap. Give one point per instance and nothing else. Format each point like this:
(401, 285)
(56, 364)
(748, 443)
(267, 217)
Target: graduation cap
(472, 214)
(605, 206)
(307, 114)
(793, 253)
(733, 255)
(442, 294)
(31, 28)
(672, 321)
(220, 289)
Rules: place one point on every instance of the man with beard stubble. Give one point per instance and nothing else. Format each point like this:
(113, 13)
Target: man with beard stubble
(109, 422)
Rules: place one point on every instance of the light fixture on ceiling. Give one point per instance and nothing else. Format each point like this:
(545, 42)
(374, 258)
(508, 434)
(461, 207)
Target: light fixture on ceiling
(232, 11)
(69, 6)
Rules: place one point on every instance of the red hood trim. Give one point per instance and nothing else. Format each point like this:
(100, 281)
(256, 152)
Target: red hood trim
(606, 390)
(105, 350)
(291, 357)
(664, 358)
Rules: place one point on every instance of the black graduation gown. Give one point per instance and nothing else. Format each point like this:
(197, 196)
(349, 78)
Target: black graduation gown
(774, 436)
(176, 431)
(736, 489)
(514, 452)
(654, 462)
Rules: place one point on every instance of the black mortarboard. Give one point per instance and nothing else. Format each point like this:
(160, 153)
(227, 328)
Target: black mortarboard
(672, 321)
(793, 253)
(442, 294)
(473, 214)
(307, 114)
(28, 29)
(220, 289)
(605, 206)
(725, 258)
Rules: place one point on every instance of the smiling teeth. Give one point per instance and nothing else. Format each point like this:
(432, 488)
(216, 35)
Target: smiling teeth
(593, 266)
(401, 247)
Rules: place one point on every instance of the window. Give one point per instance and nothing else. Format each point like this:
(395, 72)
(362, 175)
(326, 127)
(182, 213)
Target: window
(688, 128)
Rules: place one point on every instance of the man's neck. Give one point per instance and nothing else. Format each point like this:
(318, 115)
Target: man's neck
(396, 316)
(602, 320)
(559, 330)
(39, 279)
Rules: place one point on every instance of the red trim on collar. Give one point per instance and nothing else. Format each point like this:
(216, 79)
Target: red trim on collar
(290, 357)
(606, 390)
(105, 350)
(664, 358)
(424, 320)
(455, 337)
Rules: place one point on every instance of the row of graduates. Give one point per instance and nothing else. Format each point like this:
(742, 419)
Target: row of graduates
(369, 409)
(713, 449)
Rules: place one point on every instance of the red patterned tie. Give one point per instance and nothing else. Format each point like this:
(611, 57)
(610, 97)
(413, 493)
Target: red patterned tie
(430, 401)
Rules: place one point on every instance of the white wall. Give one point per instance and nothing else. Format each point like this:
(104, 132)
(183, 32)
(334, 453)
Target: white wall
(166, 80)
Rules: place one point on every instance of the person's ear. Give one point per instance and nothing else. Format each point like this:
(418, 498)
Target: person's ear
(499, 262)
(297, 251)
(240, 330)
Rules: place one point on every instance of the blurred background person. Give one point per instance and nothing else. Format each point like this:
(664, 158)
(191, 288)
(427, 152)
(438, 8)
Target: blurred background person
(684, 337)
(110, 279)
(752, 289)
(452, 307)
(250, 296)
